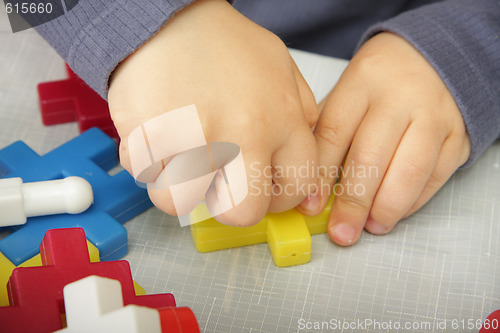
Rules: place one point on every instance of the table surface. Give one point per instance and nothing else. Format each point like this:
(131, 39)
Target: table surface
(439, 267)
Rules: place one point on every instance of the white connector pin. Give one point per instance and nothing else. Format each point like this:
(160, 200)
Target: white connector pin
(18, 201)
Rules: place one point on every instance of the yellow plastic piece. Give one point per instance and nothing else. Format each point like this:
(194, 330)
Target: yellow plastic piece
(6, 268)
(139, 291)
(288, 235)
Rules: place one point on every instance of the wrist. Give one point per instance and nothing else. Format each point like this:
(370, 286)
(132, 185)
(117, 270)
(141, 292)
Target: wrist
(172, 32)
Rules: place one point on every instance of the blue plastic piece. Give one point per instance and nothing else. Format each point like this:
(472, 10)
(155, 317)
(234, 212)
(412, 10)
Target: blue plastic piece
(116, 199)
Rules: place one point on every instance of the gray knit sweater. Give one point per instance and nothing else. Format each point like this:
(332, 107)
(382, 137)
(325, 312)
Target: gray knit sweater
(460, 38)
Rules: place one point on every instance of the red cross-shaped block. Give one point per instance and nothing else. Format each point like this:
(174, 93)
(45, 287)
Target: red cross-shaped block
(36, 293)
(73, 100)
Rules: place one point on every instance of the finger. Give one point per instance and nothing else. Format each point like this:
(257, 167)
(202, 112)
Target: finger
(125, 155)
(409, 171)
(161, 196)
(217, 193)
(259, 181)
(321, 104)
(151, 173)
(369, 157)
(451, 156)
(342, 113)
(309, 104)
(294, 170)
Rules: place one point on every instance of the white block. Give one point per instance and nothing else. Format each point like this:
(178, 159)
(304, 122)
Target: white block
(95, 304)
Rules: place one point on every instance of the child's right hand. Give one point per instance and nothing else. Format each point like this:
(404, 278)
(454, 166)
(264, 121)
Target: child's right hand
(246, 88)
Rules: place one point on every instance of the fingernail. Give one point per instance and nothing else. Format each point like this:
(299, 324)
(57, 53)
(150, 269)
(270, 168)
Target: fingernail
(311, 203)
(376, 228)
(344, 232)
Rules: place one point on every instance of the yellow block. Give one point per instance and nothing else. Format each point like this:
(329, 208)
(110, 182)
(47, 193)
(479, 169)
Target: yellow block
(288, 235)
(288, 238)
(6, 268)
(139, 291)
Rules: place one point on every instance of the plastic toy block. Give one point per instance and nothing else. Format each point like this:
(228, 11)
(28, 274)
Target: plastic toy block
(95, 304)
(6, 268)
(178, 320)
(37, 292)
(73, 100)
(289, 238)
(116, 198)
(288, 235)
(492, 323)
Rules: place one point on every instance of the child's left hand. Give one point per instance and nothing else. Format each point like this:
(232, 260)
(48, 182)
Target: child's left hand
(400, 131)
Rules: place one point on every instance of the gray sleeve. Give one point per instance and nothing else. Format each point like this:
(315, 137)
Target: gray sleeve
(96, 35)
(461, 40)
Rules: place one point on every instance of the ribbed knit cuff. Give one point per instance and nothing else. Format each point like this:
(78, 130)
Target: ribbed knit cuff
(457, 42)
(96, 35)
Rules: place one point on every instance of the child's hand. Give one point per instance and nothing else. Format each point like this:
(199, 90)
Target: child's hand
(402, 132)
(246, 88)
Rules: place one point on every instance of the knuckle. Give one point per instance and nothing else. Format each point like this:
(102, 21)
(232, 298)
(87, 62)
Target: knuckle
(307, 186)
(295, 182)
(235, 218)
(436, 181)
(354, 202)
(369, 63)
(386, 213)
(277, 43)
(413, 171)
(365, 157)
(312, 115)
(289, 101)
(300, 182)
(330, 134)
(163, 201)
(124, 157)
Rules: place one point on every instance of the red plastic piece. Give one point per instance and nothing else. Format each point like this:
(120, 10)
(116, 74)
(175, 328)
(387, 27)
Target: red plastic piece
(36, 293)
(73, 100)
(492, 323)
(178, 320)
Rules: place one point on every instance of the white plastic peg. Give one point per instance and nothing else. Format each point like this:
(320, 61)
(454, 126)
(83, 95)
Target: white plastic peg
(18, 201)
(95, 304)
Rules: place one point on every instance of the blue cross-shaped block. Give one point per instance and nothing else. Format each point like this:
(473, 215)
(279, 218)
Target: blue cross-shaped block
(116, 199)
